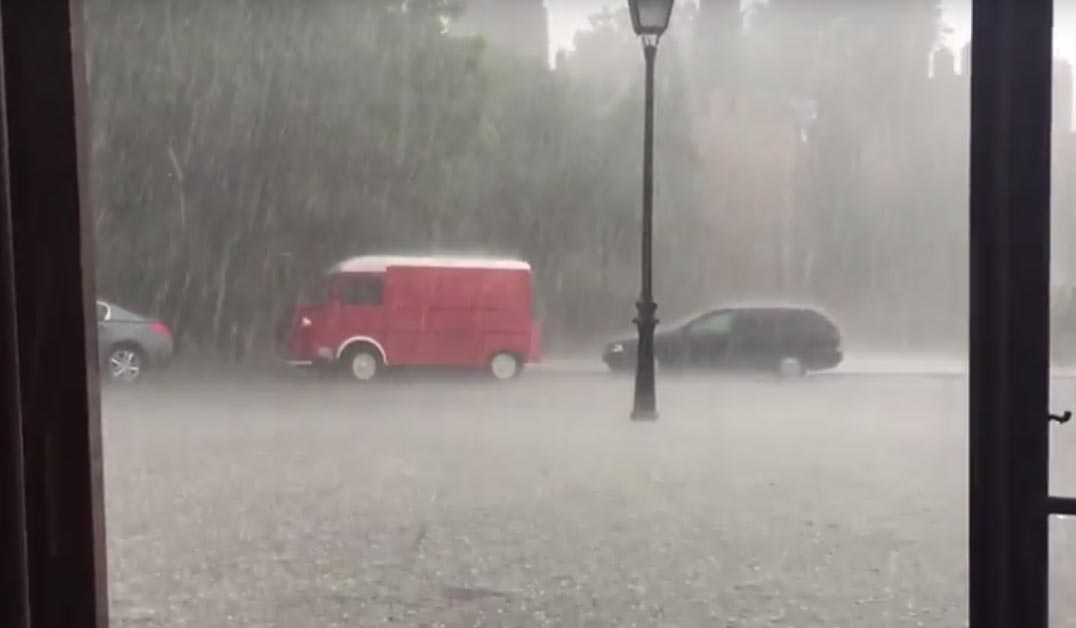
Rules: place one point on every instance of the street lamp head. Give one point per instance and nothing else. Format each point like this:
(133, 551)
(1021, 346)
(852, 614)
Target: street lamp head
(650, 17)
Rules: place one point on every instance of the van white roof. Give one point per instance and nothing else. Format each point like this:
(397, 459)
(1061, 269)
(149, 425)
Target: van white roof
(380, 263)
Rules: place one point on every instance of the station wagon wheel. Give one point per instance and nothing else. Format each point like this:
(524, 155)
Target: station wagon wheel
(125, 364)
(791, 368)
(505, 366)
(362, 364)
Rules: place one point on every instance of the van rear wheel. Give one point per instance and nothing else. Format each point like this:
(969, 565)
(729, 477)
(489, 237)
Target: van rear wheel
(362, 364)
(505, 366)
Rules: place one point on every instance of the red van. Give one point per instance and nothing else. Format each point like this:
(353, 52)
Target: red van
(375, 312)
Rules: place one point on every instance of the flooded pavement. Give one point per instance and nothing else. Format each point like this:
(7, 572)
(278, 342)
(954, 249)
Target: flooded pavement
(459, 502)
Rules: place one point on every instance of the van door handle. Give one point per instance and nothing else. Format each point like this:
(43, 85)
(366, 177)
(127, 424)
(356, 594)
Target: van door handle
(1062, 418)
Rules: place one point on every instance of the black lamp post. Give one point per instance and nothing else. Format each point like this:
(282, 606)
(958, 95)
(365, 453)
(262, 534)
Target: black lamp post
(650, 19)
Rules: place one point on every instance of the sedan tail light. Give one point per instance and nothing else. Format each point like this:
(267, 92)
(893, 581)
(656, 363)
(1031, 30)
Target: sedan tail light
(161, 329)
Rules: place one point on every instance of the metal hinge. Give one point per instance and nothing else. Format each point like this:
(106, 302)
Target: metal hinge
(1062, 418)
(1061, 506)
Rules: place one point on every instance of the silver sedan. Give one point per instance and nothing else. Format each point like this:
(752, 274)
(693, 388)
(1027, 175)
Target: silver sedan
(128, 344)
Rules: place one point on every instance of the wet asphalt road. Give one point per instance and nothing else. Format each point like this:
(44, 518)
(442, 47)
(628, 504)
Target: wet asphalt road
(290, 502)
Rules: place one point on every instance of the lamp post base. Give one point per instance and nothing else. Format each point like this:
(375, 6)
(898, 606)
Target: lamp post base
(645, 406)
(644, 415)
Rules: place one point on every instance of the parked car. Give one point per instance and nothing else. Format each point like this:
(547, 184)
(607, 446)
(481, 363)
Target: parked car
(789, 341)
(129, 344)
(374, 312)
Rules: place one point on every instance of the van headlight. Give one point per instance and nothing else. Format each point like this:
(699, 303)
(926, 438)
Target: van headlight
(616, 348)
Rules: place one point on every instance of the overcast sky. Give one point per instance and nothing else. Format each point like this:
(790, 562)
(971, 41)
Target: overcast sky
(568, 16)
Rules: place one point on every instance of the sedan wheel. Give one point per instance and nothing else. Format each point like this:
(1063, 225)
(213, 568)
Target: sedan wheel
(125, 365)
(791, 368)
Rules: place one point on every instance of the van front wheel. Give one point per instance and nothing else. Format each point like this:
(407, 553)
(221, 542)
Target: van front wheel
(505, 366)
(362, 364)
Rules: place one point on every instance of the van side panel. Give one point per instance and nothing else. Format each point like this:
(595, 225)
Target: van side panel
(453, 316)
(506, 320)
(456, 316)
(408, 292)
